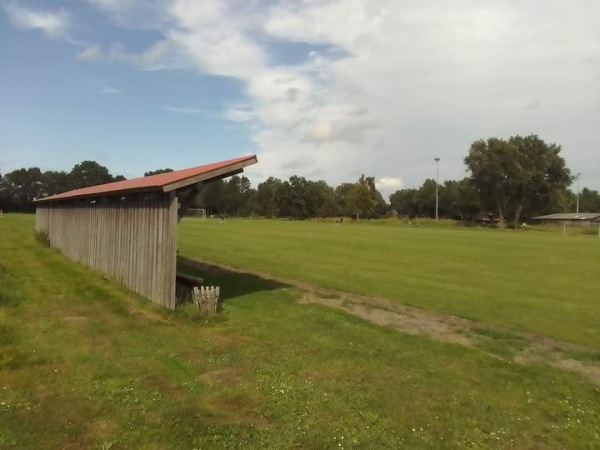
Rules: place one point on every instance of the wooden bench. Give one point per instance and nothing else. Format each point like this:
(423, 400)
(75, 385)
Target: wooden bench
(184, 285)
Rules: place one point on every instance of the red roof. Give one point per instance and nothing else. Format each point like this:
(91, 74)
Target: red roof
(164, 182)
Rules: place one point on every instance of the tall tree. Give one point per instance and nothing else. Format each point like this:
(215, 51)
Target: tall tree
(364, 199)
(56, 182)
(589, 200)
(89, 173)
(522, 172)
(20, 187)
(268, 197)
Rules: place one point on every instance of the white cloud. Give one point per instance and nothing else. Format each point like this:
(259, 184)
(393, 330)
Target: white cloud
(390, 84)
(91, 53)
(52, 24)
(389, 185)
(110, 91)
(161, 55)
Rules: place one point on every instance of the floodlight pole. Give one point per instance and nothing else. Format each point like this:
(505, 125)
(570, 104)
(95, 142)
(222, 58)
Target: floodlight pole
(437, 185)
(577, 209)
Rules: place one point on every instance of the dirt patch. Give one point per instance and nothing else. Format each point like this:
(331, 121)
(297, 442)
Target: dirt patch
(75, 319)
(408, 320)
(225, 377)
(102, 429)
(317, 376)
(140, 313)
(226, 409)
(547, 351)
(592, 373)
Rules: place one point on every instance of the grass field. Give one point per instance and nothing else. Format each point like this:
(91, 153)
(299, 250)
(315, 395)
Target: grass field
(541, 283)
(85, 364)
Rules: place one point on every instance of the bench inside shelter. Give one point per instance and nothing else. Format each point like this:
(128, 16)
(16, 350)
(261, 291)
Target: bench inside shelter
(184, 286)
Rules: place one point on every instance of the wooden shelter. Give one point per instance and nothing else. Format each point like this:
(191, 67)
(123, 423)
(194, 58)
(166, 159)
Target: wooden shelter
(128, 229)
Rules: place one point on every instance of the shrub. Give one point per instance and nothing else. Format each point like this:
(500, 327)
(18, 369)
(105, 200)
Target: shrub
(42, 238)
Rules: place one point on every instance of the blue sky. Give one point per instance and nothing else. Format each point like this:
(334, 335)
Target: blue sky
(327, 89)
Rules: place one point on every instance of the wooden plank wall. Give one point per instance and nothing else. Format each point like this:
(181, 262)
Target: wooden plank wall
(134, 242)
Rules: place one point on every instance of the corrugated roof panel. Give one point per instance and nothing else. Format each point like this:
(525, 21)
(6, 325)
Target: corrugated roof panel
(155, 182)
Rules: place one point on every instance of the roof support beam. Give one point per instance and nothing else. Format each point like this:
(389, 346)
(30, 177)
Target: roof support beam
(187, 199)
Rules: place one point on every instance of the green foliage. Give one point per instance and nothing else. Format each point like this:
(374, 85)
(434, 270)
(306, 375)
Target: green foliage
(589, 200)
(20, 187)
(457, 200)
(521, 174)
(157, 172)
(41, 237)
(506, 345)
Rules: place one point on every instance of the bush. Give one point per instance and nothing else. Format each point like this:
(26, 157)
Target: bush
(42, 238)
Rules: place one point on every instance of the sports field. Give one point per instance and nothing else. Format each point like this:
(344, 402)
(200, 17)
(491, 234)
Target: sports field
(536, 282)
(86, 364)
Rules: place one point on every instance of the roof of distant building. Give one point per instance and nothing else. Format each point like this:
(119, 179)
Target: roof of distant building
(569, 216)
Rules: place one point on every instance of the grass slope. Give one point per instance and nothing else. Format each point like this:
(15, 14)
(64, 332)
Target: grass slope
(541, 283)
(85, 364)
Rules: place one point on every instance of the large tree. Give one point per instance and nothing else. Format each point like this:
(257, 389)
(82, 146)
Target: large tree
(589, 201)
(516, 174)
(90, 173)
(21, 186)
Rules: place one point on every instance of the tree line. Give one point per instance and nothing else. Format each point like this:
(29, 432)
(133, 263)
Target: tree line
(507, 179)
(20, 187)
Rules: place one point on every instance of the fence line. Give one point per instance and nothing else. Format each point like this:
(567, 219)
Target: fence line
(134, 242)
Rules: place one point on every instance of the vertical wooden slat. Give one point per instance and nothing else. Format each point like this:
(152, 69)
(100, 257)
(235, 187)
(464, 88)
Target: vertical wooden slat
(135, 242)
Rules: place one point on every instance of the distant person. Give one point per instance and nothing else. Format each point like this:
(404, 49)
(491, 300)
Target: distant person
(221, 218)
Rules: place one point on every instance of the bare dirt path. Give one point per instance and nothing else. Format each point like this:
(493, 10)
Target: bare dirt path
(407, 319)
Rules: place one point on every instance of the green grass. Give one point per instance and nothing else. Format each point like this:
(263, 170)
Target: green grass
(541, 283)
(85, 364)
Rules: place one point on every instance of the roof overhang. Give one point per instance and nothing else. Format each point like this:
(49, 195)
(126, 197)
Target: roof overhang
(162, 183)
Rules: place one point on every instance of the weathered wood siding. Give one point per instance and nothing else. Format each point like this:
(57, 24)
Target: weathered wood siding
(134, 242)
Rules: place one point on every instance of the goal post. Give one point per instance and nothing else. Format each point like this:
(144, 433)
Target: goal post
(197, 213)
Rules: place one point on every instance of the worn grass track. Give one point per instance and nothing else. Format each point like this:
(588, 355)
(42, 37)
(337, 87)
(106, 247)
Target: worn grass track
(534, 282)
(85, 364)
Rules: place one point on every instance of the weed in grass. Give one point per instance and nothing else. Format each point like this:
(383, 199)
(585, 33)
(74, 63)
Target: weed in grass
(10, 291)
(497, 343)
(8, 335)
(592, 357)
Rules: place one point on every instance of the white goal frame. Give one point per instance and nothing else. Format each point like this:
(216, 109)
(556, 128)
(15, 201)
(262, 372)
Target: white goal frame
(197, 213)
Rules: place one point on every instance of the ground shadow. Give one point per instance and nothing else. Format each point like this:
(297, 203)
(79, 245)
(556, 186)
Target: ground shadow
(233, 284)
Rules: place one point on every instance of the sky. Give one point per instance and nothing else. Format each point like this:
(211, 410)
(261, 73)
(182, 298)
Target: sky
(326, 89)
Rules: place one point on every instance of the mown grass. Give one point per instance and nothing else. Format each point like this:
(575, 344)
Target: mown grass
(93, 366)
(541, 283)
